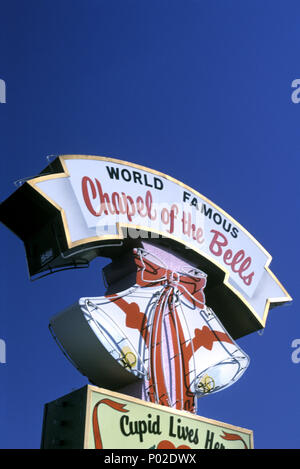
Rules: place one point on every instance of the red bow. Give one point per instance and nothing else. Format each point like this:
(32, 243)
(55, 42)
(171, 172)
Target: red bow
(150, 274)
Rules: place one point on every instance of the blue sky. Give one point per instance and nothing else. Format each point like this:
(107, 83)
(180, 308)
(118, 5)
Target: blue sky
(197, 90)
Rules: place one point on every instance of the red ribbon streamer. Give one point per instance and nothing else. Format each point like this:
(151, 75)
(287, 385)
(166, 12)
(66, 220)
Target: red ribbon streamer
(191, 288)
(233, 437)
(96, 430)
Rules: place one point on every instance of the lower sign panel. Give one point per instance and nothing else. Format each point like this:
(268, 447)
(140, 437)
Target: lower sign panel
(99, 419)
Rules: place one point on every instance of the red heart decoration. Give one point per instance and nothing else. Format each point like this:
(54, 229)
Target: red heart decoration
(165, 444)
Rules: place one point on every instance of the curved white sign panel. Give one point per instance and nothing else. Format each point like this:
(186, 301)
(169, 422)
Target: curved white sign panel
(99, 197)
